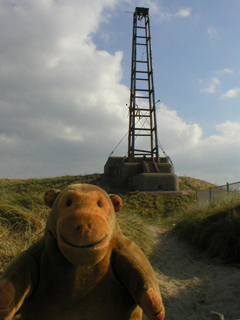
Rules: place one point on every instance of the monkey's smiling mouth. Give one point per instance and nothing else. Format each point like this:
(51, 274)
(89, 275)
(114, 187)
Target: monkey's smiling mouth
(83, 247)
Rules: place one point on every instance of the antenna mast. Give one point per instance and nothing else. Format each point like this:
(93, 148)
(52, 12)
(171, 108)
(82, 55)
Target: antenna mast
(142, 111)
(142, 169)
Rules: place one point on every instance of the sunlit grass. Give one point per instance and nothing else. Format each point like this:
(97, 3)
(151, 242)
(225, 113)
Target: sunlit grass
(23, 213)
(212, 228)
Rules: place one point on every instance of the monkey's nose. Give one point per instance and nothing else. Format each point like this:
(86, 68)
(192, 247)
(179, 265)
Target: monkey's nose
(83, 231)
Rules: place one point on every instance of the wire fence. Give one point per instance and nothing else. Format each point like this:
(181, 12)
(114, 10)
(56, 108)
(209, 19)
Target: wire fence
(218, 193)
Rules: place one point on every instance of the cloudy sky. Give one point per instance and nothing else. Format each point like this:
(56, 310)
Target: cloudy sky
(65, 77)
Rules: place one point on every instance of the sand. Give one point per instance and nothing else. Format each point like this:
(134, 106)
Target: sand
(192, 286)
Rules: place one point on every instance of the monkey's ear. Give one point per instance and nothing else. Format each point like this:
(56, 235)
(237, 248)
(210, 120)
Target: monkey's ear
(50, 196)
(117, 202)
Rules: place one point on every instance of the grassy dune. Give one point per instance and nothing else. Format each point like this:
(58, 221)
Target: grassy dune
(212, 229)
(23, 213)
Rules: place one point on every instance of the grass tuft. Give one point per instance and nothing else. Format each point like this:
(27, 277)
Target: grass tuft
(213, 229)
(138, 229)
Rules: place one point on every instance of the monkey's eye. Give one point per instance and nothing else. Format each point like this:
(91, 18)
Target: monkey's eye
(99, 203)
(69, 202)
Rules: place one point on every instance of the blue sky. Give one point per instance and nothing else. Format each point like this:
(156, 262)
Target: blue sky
(195, 56)
(65, 76)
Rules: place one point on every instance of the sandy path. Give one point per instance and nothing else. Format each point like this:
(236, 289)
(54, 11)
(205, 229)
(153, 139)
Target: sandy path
(191, 286)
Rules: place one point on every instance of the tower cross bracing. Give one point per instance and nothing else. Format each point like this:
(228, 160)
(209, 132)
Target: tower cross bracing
(142, 135)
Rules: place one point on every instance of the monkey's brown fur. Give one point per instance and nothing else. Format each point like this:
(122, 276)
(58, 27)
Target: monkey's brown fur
(83, 268)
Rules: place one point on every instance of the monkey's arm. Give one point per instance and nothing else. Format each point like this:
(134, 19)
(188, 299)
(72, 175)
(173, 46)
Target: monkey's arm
(18, 281)
(134, 271)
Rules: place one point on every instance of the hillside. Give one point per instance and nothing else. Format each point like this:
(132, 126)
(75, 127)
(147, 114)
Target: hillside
(191, 284)
(186, 184)
(191, 185)
(149, 204)
(23, 213)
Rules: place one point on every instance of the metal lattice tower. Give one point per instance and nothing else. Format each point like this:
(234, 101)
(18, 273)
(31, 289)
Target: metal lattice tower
(142, 112)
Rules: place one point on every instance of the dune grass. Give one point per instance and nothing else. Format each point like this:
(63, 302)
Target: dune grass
(23, 215)
(213, 229)
(22, 221)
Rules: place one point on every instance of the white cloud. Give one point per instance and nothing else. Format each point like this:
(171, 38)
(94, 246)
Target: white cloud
(184, 13)
(214, 159)
(230, 130)
(232, 93)
(224, 71)
(211, 88)
(185, 136)
(162, 15)
(62, 104)
(212, 31)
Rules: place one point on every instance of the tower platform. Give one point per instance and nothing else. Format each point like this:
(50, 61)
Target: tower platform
(143, 174)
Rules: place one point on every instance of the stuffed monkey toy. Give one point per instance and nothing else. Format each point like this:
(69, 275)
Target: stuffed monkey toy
(83, 268)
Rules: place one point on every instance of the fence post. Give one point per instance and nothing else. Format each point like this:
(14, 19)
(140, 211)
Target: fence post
(227, 188)
(210, 194)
